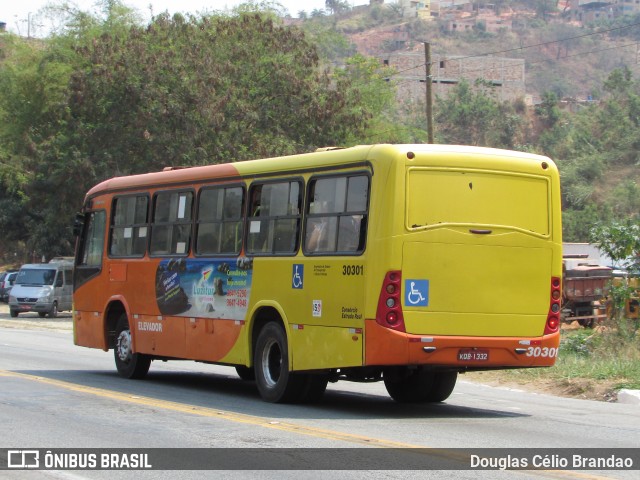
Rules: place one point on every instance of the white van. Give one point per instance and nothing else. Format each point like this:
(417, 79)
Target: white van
(46, 288)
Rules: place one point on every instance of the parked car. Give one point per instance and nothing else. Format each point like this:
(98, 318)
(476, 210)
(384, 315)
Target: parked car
(6, 282)
(45, 288)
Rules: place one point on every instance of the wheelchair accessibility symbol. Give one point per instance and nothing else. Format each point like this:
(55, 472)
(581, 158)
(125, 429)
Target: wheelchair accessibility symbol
(297, 277)
(416, 293)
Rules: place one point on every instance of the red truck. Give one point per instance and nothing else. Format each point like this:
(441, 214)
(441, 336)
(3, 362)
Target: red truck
(584, 288)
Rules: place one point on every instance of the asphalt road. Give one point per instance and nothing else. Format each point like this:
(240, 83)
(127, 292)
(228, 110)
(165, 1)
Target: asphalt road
(55, 395)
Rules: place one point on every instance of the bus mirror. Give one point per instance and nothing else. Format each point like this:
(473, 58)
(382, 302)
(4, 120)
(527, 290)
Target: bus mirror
(78, 224)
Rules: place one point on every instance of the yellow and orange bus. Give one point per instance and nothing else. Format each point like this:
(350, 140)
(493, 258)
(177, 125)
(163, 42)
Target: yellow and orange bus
(401, 263)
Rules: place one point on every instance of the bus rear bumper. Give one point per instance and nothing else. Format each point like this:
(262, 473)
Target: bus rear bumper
(384, 346)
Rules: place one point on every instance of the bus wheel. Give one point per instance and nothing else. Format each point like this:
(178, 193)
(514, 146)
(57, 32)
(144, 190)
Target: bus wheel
(275, 382)
(247, 374)
(409, 386)
(443, 384)
(53, 313)
(128, 364)
(42, 314)
(14, 313)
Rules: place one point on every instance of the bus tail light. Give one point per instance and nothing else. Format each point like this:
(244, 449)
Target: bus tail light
(555, 307)
(389, 313)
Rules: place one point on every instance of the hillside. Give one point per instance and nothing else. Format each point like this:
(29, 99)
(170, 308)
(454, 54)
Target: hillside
(561, 87)
(93, 103)
(561, 55)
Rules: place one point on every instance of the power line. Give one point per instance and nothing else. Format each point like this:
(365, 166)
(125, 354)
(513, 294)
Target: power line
(410, 128)
(563, 57)
(579, 54)
(428, 62)
(551, 42)
(418, 79)
(587, 53)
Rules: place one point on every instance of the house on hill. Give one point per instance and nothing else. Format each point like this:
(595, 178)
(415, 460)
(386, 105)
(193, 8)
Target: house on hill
(416, 9)
(586, 11)
(506, 76)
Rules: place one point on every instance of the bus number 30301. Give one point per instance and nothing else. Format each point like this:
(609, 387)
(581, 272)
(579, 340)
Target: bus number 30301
(543, 352)
(353, 270)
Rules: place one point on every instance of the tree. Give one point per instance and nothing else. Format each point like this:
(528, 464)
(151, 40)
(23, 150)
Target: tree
(42, 174)
(543, 8)
(621, 242)
(548, 110)
(365, 83)
(332, 45)
(115, 99)
(229, 88)
(619, 84)
(466, 116)
(33, 86)
(336, 7)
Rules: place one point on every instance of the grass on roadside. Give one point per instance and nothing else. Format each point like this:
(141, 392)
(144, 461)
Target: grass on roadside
(591, 364)
(598, 355)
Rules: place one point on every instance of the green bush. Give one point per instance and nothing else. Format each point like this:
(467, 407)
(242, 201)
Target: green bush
(580, 343)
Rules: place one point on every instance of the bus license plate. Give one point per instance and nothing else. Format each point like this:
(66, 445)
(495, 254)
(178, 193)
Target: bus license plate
(473, 355)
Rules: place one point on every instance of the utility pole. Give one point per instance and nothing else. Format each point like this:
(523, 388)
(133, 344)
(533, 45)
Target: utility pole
(427, 59)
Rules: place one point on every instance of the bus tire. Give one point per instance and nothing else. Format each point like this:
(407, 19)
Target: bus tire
(53, 313)
(128, 364)
(276, 384)
(248, 374)
(409, 386)
(42, 314)
(14, 313)
(443, 385)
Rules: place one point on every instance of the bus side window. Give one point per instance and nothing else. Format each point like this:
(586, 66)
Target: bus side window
(257, 232)
(350, 236)
(160, 240)
(274, 219)
(353, 228)
(171, 228)
(336, 220)
(129, 226)
(219, 224)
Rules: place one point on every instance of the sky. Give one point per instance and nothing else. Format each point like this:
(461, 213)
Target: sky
(17, 13)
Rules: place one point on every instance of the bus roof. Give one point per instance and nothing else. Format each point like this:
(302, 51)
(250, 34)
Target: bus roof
(358, 155)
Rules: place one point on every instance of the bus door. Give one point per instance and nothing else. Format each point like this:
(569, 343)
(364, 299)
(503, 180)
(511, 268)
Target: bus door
(331, 279)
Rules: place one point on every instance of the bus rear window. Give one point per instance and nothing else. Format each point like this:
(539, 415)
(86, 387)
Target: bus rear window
(439, 197)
